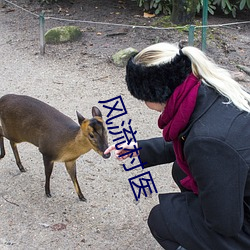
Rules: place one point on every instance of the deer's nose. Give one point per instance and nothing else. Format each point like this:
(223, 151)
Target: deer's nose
(106, 156)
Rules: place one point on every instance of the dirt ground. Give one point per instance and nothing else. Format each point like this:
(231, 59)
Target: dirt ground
(75, 76)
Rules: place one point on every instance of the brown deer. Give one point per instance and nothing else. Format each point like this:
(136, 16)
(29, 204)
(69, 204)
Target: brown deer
(59, 138)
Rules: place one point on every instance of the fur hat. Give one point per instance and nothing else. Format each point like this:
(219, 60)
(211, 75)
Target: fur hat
(156, 83)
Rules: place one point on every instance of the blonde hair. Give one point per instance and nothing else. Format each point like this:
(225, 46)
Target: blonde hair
(202, 67)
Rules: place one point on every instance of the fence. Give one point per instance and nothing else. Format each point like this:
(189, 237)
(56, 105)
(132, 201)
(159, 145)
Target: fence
(191, 28)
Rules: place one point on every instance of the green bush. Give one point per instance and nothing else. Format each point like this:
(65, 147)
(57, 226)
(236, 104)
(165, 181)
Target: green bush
(156, 6)
(227, 6)
(232, 6)
(211, 7)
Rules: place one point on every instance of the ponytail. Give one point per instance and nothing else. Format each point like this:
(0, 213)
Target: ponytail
(218, 78)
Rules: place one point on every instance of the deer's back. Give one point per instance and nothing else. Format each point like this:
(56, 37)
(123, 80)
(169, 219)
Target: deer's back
(24, 118)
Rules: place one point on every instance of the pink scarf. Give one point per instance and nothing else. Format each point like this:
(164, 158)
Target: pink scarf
(175, 118)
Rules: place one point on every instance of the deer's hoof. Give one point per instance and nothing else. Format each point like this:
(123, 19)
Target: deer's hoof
(82, 198)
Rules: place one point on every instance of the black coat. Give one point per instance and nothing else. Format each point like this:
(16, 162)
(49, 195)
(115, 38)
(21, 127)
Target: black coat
(216, 145)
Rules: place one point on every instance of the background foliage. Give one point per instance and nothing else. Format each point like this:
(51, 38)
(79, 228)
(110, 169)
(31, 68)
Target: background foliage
(165, 6)
(227, 6)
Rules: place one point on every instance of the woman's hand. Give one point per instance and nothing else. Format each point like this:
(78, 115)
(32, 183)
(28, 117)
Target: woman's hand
(119, 152)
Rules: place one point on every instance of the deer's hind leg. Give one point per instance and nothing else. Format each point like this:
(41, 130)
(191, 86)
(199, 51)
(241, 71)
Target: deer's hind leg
(71, 168)
(1, 144)
(48, 164)
(15, 151)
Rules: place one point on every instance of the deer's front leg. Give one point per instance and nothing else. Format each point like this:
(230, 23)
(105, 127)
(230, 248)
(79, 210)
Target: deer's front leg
(71, 168)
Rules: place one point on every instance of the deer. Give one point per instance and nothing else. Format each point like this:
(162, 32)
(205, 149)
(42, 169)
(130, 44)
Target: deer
(58, 138)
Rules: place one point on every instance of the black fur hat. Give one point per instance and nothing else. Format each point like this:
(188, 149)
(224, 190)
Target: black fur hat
(156, 83)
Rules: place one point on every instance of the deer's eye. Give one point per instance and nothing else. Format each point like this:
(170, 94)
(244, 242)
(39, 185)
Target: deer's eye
(91, 136)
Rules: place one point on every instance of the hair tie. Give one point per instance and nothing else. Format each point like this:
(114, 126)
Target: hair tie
(180, 52)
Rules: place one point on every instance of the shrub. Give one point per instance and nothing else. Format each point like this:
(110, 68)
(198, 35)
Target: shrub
(165, 6)
(157, 6)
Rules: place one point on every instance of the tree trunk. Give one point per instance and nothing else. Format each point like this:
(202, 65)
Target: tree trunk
(183, 11)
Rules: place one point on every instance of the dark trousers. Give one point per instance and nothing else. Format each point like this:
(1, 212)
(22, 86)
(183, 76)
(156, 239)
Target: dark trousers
(156, 222)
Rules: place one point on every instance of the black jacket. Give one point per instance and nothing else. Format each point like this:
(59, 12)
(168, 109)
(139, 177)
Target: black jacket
(216, 145)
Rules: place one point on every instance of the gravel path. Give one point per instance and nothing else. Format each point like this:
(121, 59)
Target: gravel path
(74, 77)
(70, 80)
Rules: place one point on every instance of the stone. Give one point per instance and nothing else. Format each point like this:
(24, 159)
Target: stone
(121, 58)
(244, 68)
(2, 3)
(239, 76)
(63, 34)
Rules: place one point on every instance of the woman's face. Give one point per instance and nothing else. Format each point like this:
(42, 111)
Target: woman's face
(156, 106)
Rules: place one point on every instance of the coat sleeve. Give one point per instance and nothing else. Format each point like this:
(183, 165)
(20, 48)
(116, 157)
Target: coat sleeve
(156, 151)
(220, 173)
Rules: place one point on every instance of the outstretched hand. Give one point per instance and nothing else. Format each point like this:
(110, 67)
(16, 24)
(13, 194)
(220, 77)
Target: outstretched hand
(119, 152)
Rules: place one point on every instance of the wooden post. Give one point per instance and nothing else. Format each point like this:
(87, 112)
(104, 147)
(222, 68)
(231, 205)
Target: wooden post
(191, 35)
(204, 23)
(42, 31)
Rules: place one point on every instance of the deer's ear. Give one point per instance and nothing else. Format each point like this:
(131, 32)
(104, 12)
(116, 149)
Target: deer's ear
(80, 118)
(96, 112)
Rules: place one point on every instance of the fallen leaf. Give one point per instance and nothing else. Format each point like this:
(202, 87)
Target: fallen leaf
(147, 15)
(58, 227)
